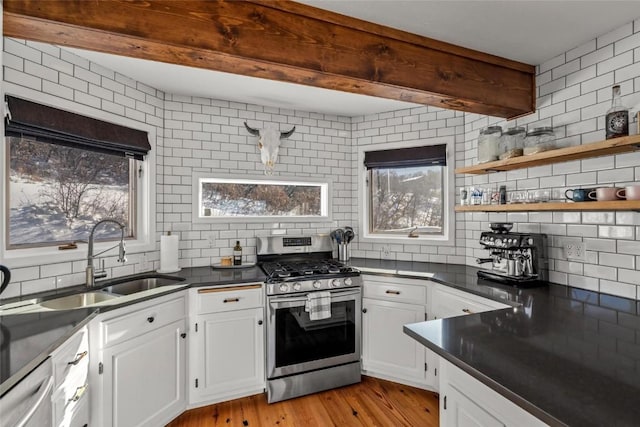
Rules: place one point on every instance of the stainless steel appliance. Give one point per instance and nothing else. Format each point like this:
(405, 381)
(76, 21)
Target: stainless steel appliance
(518, 259)
(28, 403)
(303, 355)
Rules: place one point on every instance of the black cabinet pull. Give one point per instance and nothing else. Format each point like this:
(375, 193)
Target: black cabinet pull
(231, 300)
(259, 322)
(183, 335)
(364, 310)
(150, 319)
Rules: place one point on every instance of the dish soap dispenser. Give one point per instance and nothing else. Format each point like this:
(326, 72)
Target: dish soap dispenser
(237, 253)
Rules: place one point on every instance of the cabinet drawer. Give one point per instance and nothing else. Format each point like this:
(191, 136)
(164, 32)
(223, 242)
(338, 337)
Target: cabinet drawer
(140, 322)
(215, 300)
(71, 357)
(68, 399)
(392, 291)
(449, 303)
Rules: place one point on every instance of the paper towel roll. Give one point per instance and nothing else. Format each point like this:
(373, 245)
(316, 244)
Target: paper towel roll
(169, 254)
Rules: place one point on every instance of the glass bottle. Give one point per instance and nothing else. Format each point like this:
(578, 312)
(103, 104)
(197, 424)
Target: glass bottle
(617, 121)
(237, 253)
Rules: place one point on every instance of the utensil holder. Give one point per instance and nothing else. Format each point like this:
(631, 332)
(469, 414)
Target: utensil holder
(343, 252)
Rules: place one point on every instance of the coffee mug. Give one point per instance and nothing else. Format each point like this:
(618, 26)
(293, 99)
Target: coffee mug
(605, 194)
(630, 193)
(581, 194)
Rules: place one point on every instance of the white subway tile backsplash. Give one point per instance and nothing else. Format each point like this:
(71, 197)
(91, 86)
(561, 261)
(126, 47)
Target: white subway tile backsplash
(617, 260)
(615, 35)
(616, 232)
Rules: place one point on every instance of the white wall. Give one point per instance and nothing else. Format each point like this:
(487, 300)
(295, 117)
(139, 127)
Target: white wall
(204, 135)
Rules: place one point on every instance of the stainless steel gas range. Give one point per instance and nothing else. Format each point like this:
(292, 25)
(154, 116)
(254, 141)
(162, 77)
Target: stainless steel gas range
(304, 355)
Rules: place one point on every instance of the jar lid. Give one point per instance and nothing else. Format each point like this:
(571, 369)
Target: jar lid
(541, 131)
(514, 130)
(491, 129)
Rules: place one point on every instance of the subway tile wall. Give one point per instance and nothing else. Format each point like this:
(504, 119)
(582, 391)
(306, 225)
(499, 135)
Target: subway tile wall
(408, 125)
(53, 71)
(206, 135)
(573, 95)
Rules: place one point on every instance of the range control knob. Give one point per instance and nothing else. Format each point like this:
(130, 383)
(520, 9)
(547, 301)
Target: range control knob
(348, 281)
(530, 241)
(284, 287)
(317, 284)
(498, 242)
(297, 286)
(335, 283)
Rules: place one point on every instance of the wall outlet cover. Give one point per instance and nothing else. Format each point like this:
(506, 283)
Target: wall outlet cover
(575, 251)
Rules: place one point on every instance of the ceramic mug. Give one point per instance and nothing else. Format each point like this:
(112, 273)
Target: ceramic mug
(581, 194)
(605, 194)
(630, 193)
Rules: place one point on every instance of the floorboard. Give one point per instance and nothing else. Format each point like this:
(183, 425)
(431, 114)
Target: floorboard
(373, 402)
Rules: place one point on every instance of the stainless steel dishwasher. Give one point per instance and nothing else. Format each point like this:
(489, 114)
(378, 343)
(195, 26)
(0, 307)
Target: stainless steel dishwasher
(28, 403)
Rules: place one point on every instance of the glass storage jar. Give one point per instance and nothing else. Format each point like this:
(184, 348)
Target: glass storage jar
(512, 143)
(488, 144)
(539, 140)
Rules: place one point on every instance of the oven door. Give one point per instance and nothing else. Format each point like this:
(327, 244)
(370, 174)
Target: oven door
(296, 344)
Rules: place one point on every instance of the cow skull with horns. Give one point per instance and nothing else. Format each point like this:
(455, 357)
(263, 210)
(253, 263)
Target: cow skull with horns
(269, 143)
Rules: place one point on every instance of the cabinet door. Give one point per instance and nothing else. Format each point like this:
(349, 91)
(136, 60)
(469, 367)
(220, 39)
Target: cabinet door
(457, 410)
(144, 378)
(386, 348)
(230, 355)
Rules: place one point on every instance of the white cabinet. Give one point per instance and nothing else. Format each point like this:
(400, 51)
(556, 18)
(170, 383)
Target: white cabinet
(141, 371)
(389, 303)
(466, 402)
(387, 351)
(227, 350)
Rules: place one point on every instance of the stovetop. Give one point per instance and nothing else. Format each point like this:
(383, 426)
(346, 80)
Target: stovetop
(312, 269)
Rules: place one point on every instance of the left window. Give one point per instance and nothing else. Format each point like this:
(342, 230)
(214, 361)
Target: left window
(65, 172)
(57, 193)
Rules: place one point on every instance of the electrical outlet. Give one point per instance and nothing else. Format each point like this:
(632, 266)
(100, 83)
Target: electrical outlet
(575, 251)
(385, 253)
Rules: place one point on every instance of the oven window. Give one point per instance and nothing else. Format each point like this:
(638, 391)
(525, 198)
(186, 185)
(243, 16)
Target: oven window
(300, 340)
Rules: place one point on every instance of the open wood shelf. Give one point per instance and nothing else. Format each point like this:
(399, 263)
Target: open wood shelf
(618, 205)
(623, 144)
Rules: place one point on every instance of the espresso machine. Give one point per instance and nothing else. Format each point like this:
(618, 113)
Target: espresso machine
(517, 259)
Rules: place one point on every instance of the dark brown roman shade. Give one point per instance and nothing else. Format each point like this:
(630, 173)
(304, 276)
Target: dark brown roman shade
(51, 125)
(429, 155)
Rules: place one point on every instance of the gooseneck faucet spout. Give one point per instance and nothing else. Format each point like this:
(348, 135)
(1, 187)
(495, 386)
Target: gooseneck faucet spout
(90, 272)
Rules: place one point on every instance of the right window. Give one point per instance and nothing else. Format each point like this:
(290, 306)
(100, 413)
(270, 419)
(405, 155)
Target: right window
(407, 188)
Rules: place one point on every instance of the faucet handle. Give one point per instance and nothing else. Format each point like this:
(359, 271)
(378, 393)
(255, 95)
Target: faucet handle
(122, 252)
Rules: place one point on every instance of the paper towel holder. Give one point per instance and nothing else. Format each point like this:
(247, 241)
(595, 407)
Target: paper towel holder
(173, 268)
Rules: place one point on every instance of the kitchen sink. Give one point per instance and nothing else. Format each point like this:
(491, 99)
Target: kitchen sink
(77, 301)
(132, 285)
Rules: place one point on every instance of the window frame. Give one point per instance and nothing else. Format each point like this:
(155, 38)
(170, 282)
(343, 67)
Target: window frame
(145, 214)
(326, 196)
(364, 194)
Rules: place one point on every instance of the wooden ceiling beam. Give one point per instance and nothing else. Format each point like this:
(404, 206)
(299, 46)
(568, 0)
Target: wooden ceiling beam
(284, 41)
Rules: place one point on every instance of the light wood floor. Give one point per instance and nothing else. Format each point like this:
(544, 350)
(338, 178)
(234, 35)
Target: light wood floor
(373, 402)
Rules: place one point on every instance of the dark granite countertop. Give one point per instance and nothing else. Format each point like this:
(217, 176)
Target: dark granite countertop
(28, 339)
(566, 355)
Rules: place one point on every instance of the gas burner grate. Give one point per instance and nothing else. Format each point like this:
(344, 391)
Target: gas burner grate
(314, 267)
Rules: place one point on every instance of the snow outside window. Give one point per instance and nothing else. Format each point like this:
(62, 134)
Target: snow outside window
(57, 193)
(260, 199)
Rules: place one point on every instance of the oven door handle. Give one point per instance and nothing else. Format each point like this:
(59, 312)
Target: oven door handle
(334, 294)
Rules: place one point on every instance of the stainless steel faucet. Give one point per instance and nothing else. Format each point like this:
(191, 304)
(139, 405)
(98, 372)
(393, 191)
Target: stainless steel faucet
(91, 274)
